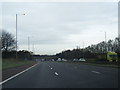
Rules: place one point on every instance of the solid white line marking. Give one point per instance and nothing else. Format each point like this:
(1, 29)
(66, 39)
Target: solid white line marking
(95, 72)
(56, 73)
(17, 74)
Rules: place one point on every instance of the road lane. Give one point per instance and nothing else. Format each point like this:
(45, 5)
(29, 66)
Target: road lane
(38, 77)
(83, 77)
(65, 75)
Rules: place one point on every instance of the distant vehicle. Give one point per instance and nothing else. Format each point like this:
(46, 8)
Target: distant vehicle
(82, 59)
(75, 59)
(59, 59)
(36, 59)
(43, 59)
(112, 56)
(64, 60)
(53, 60)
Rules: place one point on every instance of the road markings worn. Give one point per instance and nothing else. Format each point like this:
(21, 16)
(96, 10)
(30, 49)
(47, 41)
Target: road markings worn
(17, 74)
(95, 72)
(51, 68)
(56, 73)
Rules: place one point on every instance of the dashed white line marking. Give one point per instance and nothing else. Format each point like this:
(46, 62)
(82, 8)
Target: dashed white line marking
(95, 72)
(56, 73)
(17, 74)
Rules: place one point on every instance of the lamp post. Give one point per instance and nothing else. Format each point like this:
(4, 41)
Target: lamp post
(28, 43)
(105, 41)
(83, 49)
(32, 47)
(32, 44)
(16, 31)
(106, 46)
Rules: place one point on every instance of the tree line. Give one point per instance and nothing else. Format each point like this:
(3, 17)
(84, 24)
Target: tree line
(9, 48)
(90, 52)
(96, 51)
(102, 47)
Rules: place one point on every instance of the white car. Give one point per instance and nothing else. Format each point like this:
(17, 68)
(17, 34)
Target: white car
(75, 60)
(43, 59)
(59, 59)
(82, 59)
(64, 60)
(53, 60)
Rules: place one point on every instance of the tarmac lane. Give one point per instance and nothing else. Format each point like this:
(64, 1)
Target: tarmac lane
(65, 75)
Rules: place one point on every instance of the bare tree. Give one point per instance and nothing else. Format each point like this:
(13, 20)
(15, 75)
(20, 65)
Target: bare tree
(8, 41)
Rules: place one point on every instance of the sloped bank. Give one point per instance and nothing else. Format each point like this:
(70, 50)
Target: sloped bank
(7, 73)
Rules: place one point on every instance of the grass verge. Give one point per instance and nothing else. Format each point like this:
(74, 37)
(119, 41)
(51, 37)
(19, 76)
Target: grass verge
(99, 64)
(102, 64)
(10, 63)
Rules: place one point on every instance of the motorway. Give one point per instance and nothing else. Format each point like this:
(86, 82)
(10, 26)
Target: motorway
(65, 75)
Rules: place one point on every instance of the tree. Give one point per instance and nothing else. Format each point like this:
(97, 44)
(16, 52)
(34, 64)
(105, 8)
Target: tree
(8, 41)
(116, 45)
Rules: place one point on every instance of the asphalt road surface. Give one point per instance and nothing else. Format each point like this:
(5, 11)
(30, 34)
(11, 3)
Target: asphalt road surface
(65, 75)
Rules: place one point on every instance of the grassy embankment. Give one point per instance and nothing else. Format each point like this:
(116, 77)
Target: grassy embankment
(96, 63)
(100, 64)
(10, 63)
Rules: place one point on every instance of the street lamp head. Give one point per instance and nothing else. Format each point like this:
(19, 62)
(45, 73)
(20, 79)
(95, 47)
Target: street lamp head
(21, 14)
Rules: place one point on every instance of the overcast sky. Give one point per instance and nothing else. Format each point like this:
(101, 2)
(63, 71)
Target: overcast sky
(54, 27)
